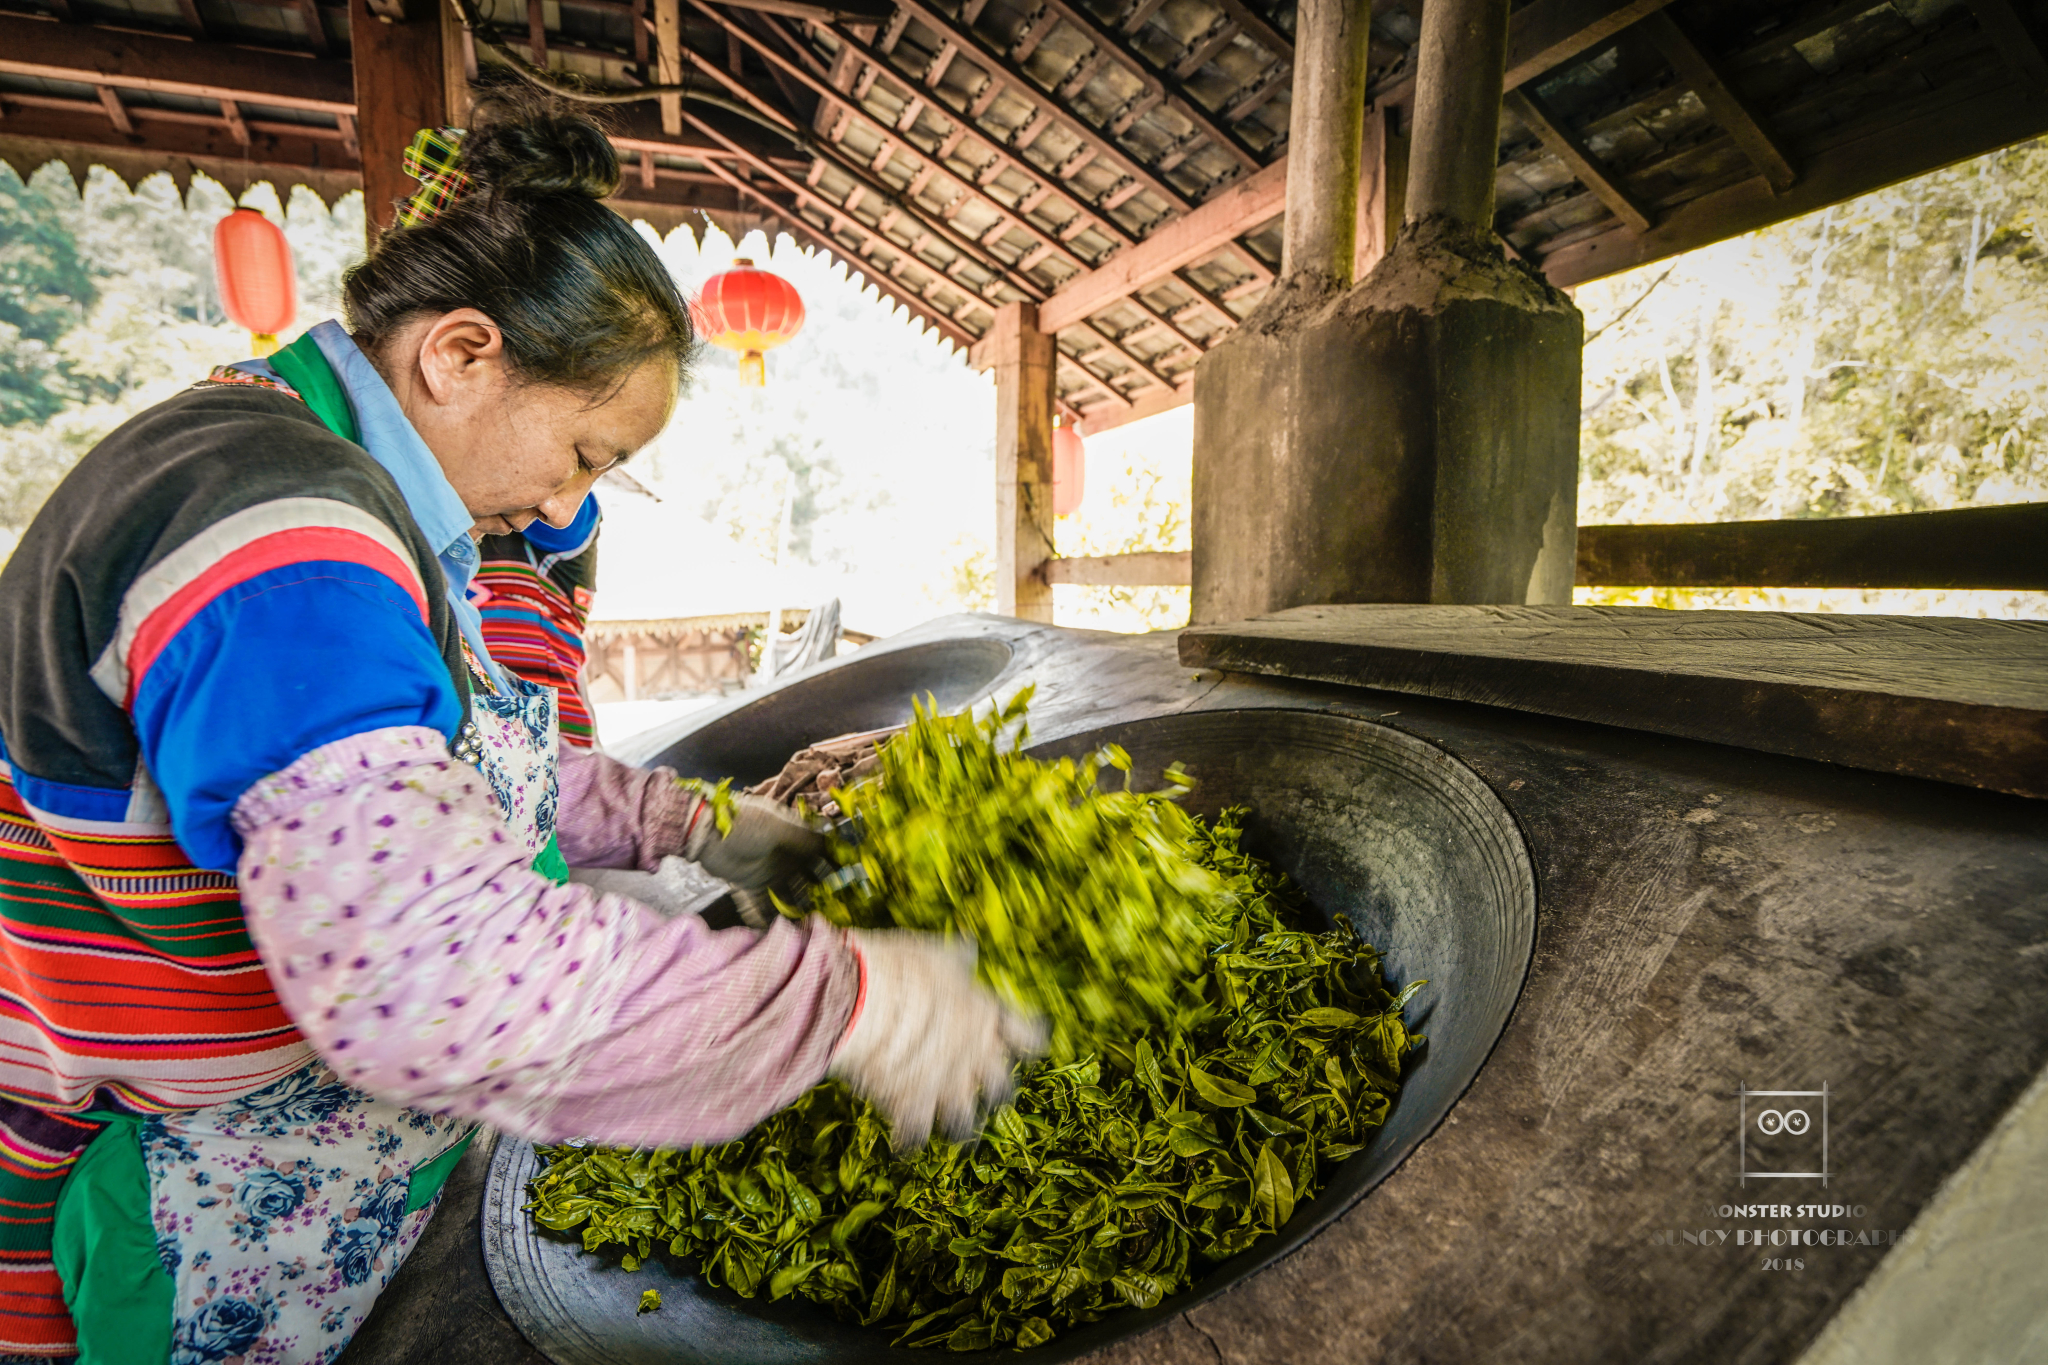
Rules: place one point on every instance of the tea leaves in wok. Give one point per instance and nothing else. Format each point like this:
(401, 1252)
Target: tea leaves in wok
(1173, 1128)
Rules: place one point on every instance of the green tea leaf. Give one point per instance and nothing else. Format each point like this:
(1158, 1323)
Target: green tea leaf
(650, 1300)
(1170, 963)
(1221, 1091)
(1272, 1188)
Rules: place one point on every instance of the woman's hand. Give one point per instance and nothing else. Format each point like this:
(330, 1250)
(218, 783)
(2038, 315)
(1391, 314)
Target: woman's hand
(928, 1043)
(768, 845)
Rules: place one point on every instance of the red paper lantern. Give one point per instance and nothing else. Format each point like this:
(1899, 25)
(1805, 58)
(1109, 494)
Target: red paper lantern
(749, 311)
(1069, 471)
(252, 263)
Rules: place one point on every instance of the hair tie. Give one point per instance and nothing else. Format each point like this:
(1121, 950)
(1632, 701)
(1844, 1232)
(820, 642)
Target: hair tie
(434, 159)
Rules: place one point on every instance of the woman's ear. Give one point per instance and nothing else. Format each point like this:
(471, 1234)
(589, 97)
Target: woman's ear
(461, 356)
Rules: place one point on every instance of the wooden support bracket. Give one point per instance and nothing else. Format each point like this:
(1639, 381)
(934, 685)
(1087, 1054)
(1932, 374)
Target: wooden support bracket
(1566, 147)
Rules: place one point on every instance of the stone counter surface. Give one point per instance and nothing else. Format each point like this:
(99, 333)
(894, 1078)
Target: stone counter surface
(1709, 918)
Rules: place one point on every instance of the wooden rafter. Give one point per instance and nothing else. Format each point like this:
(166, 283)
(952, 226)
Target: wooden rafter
(1542, 36)
(804, 193)
(861, 175)
(2016, 40)
(966, 124)
(926, 169)
(1566, 146)
(1940, 128)
(1111, 46)
(202, 70)
(1710, 82)
(117, 114)
(1069, 118)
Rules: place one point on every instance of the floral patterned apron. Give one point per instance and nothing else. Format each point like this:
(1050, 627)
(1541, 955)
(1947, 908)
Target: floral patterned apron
(279, 1217)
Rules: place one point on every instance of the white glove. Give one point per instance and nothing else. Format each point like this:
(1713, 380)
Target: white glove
(769, 845)
(930, 1042)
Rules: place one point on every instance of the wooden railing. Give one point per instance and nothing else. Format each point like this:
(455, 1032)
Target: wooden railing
(2001, 548)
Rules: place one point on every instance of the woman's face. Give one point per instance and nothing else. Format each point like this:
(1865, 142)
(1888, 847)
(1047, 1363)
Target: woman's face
(516, 452)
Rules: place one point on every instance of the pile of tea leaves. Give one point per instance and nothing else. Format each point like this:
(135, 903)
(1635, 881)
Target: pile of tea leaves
(1211, 1062)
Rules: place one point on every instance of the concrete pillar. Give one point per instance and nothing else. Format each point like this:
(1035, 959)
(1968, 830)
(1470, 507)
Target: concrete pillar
(1022, 358)
(407, 72)
(1324, 129)
(1413, 438)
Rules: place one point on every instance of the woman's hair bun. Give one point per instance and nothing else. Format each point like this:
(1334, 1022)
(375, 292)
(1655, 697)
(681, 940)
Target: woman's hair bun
(530, 144)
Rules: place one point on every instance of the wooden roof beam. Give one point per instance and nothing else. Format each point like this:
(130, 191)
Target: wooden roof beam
(937, 227)
(1699, 69)
(925, 169)
(1259, 29)
(116, 114)
(1584, 166)
(866, 175)
(203, 70)
(1111, 46)
(1542, 37)
(2016, 40)
(1238, 209)
(1938, 129)
(1206, 45)
(968, 118)
(1070, 118)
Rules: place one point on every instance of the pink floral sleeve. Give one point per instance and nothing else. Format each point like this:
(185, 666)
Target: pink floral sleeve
(430, 967)
(615, 816)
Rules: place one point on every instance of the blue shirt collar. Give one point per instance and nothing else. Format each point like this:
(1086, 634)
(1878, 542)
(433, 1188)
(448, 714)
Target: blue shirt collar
(389, 437)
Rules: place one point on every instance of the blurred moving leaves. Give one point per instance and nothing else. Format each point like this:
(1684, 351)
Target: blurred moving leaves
(1177, 1124)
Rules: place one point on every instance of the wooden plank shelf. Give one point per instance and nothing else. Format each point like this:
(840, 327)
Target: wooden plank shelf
(1960, 701)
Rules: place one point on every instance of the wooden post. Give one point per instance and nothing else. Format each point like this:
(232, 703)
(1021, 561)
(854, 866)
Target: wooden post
(668, 61)
(1382, 188)
(1458, 82)
(403, 84)
(458, 65)
(1325, 125)
(1023, 360)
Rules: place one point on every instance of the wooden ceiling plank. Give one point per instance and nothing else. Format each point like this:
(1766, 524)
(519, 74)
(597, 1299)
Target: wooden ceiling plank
(1097, 217)
(937, 226)
(1939, 129)
(2016, 40)
(1070, 118)
(1272, 85)
(1036, 31)
(316, 28)
(1260, 29)
(1109, 46)
(1542, 37)
(1140, 15)
(203, 70)
(1584, 166)
(1698, 69)
(1219, 36)
(825, 91)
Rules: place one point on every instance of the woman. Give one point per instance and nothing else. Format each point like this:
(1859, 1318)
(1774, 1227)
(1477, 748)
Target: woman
(282, 917)
(534, 588)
